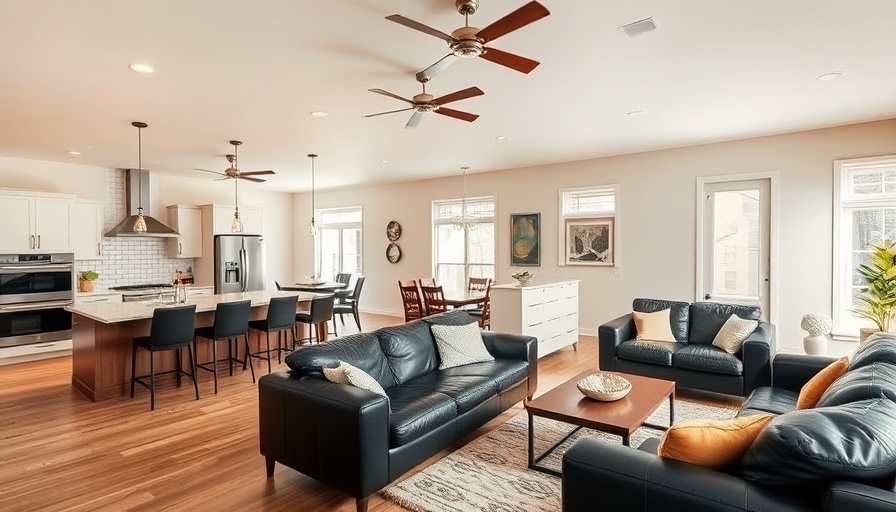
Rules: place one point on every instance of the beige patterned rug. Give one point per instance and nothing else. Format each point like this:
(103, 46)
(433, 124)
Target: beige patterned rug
(490, 473)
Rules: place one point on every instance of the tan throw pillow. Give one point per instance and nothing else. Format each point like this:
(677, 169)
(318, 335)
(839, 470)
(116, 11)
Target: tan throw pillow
(653, 326)
(353, 376)
(732, 335)
(712, 443)
(811, 391)
(460, 345)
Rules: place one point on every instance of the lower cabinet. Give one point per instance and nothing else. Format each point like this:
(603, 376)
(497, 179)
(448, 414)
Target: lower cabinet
(547, 309)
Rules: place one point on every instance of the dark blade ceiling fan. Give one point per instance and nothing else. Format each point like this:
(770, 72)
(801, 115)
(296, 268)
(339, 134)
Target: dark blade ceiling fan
(233, 172)
(423, 103)
(469, 42)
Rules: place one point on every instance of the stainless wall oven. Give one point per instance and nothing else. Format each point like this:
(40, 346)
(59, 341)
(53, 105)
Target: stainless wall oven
(34, 290)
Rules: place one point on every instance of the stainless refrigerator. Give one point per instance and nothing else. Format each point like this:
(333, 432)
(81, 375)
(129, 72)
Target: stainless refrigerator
(239, 263)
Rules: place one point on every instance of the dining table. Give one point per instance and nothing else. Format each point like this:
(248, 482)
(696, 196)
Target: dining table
(460, 298)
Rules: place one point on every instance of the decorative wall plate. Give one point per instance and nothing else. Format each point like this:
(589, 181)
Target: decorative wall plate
(393, 253)
(393, 231)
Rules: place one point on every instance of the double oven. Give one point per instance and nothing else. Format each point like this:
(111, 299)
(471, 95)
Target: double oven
(34, 290)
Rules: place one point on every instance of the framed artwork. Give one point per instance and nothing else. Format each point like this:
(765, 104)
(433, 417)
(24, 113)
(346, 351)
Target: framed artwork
(525, 239)
(590, 242)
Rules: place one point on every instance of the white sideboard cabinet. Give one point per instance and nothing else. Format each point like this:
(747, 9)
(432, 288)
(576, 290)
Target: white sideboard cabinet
(547, 309)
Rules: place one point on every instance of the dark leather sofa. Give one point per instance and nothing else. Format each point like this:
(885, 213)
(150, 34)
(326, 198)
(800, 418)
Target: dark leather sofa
(692, 361)
(839, 456)
(358, 441)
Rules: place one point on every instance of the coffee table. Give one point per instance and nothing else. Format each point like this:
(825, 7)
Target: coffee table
(567, 404)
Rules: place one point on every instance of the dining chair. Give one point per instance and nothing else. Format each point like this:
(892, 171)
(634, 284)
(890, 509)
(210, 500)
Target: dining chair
(478, 284)
(343, 294)
(433, 299)
(281, 319)
(483, 311)
(428, 281)
(349, 304)
(317, 317)
(410, 298)
(231, 323)
(171, 329)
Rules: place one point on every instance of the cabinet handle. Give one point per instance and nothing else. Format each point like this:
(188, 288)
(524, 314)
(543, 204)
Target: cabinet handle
(99, 248)
(180, 248)
(38, 241)
(32, 241)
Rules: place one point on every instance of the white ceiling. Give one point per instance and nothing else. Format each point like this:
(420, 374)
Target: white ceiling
(253, 71)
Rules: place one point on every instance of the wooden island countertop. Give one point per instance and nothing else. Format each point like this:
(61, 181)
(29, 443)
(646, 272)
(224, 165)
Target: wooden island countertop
(102, 335)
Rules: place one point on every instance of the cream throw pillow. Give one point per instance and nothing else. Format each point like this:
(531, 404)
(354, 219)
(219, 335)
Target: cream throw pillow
(653, 326)
(353, 376)
(733, 334)
(459, 345)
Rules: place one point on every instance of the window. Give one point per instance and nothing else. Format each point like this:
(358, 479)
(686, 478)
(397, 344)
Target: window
(600, 202)
(339, 241)
(730, 280)
(466, 251)
(864, 215)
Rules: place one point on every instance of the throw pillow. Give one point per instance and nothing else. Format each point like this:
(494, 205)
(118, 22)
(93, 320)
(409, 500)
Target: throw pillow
(733, 333)
(353, 376)
(653, 326)
(812, 390)
(712, 443)
(459, 345)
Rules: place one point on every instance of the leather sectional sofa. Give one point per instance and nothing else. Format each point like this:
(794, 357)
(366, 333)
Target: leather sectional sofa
(839, 456)
(359, 441)
(691, 361)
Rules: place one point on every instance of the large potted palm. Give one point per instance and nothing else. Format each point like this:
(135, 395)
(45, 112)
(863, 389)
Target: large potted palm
(877, 301)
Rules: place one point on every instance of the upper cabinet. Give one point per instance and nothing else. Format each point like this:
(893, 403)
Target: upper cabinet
(187, 220)
(87, 232)
(36, 222)
(222, 219)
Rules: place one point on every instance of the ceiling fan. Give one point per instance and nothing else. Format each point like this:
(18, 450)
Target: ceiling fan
(234, 172)
(469, 42)
(423, 103)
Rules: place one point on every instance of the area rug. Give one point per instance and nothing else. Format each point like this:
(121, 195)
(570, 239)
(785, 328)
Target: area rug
(490, 473)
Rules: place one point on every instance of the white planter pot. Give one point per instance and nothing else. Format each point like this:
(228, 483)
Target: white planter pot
(816, 345)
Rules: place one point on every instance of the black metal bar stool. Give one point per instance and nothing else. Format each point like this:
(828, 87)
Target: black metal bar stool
(171, 329)
(231, 322)
(321, 312)
(281, 319)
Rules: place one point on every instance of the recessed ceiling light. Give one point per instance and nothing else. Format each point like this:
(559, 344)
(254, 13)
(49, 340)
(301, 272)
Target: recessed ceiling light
(141, 68)
(75, 153)
(827, 77)
(635, 113)
(319, 113)
(384, 161)
(501, 137)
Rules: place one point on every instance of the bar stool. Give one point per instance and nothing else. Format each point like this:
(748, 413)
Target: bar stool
(171, 329)
(231, 322)
(281, 319)
(321, 312)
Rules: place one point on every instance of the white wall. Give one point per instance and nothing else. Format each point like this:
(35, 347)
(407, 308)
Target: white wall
(658, 223)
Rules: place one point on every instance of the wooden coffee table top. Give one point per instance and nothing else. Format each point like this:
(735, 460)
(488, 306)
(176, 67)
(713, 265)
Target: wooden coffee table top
(567, 404)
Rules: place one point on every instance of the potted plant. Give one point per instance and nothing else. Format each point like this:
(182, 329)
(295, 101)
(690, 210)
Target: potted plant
(86, 279)
(877, 301)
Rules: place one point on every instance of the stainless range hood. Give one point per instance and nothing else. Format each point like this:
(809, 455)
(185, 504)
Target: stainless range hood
(133, 193)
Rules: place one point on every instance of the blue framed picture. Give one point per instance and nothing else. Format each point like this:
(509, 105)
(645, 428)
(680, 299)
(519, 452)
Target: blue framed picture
(525, 239)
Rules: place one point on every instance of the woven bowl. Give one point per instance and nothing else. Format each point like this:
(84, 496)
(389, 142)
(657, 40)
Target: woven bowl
(605, 387)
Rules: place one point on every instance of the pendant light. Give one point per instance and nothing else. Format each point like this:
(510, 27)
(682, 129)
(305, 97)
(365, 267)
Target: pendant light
(237, 225)
(312, 230)
(140, 221)
(465, 219)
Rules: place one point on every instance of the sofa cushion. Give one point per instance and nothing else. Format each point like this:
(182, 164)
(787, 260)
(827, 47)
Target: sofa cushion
(707, 358)
(812, 390)
(459, 345)
(707, 318)
(733, 333)
(467, 391)
(877, 380)
(646, 351)
(359, 350)
(711, 443)
(855, 441)
(769, 399)
(504, 373)
(409, 350)
(417, 411)
(678, 316)
(653, 326)
(880, 347)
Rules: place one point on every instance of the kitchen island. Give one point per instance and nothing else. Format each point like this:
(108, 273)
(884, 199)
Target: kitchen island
(102, 335)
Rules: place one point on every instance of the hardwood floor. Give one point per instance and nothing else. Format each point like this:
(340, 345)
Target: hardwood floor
(60, 451)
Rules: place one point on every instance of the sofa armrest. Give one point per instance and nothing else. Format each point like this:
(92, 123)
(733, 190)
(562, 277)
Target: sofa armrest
(335, 433)
(851, 497)
(619, 478)
(515, 346)
(609, 336)
(792, 371)
(756, 354)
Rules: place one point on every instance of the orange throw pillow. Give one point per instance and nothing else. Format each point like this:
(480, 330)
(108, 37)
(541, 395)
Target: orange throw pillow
(811, 392)
(712, 443)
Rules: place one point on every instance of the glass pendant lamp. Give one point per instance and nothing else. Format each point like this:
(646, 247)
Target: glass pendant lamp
(139, 222)
(312, 230)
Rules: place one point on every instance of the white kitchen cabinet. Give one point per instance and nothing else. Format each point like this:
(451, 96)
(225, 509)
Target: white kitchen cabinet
(547, 309)
(187, 220)
(87, 231)
(36, 222)
(222, 219)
